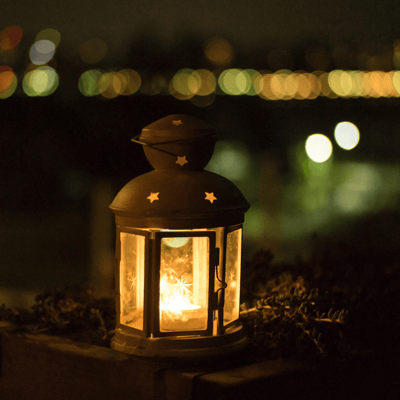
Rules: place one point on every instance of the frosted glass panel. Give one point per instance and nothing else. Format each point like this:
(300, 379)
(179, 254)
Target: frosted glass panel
(132, 280)
(184, 284)
(232, 276)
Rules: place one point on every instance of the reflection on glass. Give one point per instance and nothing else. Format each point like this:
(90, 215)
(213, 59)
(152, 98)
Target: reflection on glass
(132, 280)
(184, 284)
(232, 276)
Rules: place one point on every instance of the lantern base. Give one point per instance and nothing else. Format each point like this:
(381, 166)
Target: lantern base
(183, 347)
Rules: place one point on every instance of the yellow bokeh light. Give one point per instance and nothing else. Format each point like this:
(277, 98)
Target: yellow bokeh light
(255, 87)
(186, 82)
(41, 81)
(109, 85)
(93, 50)
(219, 51)
(347, 135)
(208, 82)
(304, 87)
(291, 85)
(377, 88)
(396, 82)
(277, 85)
(234, 82)
(42, 52)
(49, 34)
(318, 148)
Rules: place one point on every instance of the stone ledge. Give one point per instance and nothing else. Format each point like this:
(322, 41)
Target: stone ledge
(52, 368)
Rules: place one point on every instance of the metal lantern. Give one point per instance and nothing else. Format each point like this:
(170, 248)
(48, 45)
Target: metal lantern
(178, 249)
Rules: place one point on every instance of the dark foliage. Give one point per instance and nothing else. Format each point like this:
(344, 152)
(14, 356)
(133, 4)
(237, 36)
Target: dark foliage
(341, 304)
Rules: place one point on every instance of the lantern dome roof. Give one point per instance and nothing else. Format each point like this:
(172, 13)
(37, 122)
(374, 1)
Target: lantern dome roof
(179, 194)
(189, 199)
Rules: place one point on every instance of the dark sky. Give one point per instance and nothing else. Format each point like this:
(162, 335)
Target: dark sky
(246, 22)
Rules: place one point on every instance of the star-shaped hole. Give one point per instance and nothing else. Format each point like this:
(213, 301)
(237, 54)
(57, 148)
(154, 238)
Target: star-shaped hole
(177, 123)
(210, 197)
(181, 161)
(153, 196)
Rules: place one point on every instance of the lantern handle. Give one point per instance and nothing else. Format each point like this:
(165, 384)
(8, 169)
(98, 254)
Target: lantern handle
(150, 145)
(171, 141)
(224, 284)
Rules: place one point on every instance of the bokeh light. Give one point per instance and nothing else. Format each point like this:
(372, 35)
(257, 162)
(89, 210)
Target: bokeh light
(347, 135)
(219, 51)
(88, 83)
(186, 82)
(93, 50)
(109, 84)
(10, 37)
(208, 82)
(234, 82)
(41, 81)
(49, 34)
(130, 81)
(42, 52)
(255, 79)
(318, 148)
(203, 101)
(8, 82)
(232, 160)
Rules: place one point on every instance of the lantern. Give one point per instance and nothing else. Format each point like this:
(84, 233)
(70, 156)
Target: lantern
(178, 249)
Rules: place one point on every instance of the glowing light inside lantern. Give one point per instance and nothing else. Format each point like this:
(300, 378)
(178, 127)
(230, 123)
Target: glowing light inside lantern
(176, 297)
(183, 284)
(176, 241)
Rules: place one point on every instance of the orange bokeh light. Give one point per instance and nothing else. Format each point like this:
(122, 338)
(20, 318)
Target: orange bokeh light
(10, 37)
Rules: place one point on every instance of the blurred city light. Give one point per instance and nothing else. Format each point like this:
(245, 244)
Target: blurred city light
(218, 51)
(318, 148)
(186, 82)
(234, 82)
(255, 78)
(203, 101)
(41, 81)
(49, 34)
(93, 50)
(232, 160)
(42, 52)
(347, 135)
(8, 82)
(10, 37)
(88, 83)
(255, 223)
(357, 188)
(208, 82)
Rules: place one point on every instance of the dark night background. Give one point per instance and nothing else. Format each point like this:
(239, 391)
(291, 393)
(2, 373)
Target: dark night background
(64, 157)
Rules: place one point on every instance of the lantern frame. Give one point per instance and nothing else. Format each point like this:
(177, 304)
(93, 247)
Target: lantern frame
(178, 200)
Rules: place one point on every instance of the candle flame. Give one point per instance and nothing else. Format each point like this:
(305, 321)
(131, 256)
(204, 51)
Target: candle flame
(175, 297)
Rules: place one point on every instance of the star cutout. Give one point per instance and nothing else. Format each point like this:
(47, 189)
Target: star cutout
(153, 196)
(177, 123)
(181, 161)
(210, 196)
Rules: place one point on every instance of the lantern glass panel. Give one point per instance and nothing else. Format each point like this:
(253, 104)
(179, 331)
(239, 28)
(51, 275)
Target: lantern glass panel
(132, 280)
(232, 276)
(184, 276)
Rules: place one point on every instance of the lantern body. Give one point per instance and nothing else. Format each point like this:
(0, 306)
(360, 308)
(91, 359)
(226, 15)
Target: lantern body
(178, 264)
